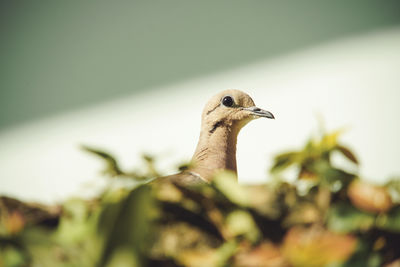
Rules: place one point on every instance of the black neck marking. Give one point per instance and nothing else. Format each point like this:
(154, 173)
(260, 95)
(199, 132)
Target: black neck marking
(216, 125)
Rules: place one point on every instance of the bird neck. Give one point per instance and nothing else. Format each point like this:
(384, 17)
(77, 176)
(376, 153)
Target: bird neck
(216, 150)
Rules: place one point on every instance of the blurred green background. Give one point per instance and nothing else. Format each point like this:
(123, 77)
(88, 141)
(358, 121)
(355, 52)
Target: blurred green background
(57, 56)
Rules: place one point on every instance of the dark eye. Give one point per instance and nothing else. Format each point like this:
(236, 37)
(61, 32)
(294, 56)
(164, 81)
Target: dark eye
(227, 101)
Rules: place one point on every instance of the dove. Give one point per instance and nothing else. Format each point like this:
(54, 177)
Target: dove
(224, 115)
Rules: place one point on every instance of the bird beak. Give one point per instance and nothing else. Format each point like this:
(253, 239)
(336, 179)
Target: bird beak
(260, 112)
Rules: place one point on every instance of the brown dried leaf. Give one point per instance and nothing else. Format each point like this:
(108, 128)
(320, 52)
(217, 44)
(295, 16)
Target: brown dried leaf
(368, 197)
(316, 246)
(347, 153)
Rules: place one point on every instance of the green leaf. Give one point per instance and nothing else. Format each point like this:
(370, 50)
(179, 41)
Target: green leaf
(330, 141)
(302, 213)
(123, 257)
(390, 221)
(284, 160)
(393, 187)
(345, 218)
(226, 183)
(332, 175)
(11, 256)
(75, 225)
(241, 223)
(364, 256)
(225, 252)
(151, 168)
(112, 168)
(128, 224)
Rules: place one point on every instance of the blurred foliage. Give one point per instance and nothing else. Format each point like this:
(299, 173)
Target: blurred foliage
(112, 168)
(326, 217)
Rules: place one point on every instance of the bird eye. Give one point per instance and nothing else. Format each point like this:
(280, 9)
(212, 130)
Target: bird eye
(227, 101)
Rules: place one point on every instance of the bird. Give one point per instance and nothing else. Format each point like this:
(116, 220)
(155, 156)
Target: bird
(224, 115)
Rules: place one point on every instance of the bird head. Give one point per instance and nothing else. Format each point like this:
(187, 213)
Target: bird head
(232, 109)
